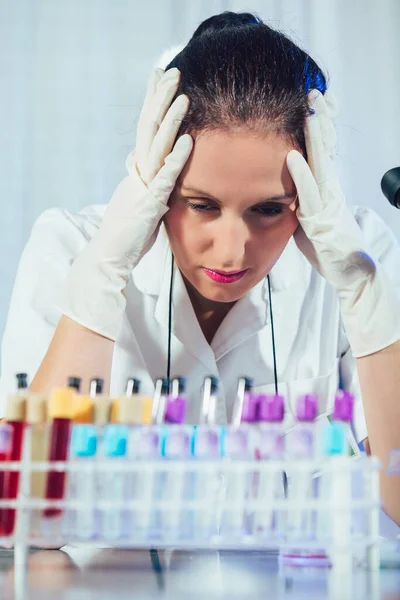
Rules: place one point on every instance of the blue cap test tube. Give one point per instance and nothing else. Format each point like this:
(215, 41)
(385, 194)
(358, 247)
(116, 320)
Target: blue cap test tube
(82, 481)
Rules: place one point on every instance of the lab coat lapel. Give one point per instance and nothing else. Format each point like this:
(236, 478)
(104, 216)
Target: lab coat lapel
(247, 317)
(185, 326)
(251, 313)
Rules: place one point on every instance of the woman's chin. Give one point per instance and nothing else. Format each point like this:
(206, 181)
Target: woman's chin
(223, 292)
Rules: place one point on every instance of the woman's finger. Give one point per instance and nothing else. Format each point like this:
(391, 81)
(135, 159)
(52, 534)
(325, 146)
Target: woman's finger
(310, 202)
(166, 135)
(153, 113)
(164, 182)
(316, 156)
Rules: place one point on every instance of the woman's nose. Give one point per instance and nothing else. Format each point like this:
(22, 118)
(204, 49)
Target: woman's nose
(230, 243)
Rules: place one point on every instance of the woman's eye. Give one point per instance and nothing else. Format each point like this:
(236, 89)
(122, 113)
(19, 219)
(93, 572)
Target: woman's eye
(269, 211)
(202, 207)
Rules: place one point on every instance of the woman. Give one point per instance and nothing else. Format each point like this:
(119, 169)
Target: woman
(270, 274)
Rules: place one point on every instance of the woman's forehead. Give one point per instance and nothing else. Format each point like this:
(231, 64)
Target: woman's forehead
(223, 162)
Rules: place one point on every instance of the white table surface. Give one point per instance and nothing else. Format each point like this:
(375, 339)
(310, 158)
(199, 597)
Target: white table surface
(106, 574)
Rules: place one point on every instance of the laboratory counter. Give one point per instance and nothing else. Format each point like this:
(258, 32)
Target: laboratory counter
(105, 574)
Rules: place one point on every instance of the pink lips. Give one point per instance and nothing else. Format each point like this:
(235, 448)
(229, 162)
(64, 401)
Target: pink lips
(223, 276)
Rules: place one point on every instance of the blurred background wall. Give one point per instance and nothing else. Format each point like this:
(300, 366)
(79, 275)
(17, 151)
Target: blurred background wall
(72, 79)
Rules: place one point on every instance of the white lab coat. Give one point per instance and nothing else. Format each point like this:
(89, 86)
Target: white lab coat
(311, 345)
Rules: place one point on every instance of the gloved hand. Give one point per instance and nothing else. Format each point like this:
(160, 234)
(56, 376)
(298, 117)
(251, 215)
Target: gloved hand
(331, 239)
(93, 292)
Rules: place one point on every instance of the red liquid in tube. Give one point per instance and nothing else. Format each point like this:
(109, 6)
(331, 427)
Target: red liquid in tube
(5, 451)
(61, 405)
(59, 443)
(11, 479)
(15, 416)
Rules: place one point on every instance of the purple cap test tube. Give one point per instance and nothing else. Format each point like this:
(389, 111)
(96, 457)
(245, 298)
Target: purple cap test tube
(270, 408)
(306, 407)
(343, 408)
(270, 416)
(175, 411)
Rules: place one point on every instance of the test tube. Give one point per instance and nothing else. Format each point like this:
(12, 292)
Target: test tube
(37, 439)
(335, 484)
(134, 410)
(61, 408)
(115, 444)
(176, 446)
(207, 450)
(82, 482)
(175, 411)
(270, 448)
(151, 480)
(6, 435)
(114, 452)
(15, 417)
(336, 438)
(160, 400)
(239, 446)
(80, 521)
(102, 410)
(301, 445)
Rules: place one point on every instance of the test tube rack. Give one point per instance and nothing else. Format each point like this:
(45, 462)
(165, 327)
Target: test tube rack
(301, 507)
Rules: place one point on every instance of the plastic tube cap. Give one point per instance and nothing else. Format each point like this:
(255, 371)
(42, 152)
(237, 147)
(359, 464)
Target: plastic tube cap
(214, 383)
(96, 386)
(84, 440)
(36, 409)
(75, 383)
(249, 409)
(62, 403)
(147, 408)
(248, 383)
(115, 440)
(176, 410)
(343, 409)
(130, 410)
(83, 409)
(178, 386)
(307, 407)
(271, 408)
(22, 381)
(132, 386)
(102, 410)
(164, 385)
(16, 408)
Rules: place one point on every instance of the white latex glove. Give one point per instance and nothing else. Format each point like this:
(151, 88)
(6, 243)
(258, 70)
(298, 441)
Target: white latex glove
(93, 292)
(331, 239)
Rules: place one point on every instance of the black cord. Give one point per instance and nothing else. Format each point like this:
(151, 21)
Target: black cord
(272, 335)
(157, 568)
(284, 475)
(171, 282)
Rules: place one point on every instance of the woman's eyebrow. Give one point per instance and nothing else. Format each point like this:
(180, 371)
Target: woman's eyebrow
(279, 198)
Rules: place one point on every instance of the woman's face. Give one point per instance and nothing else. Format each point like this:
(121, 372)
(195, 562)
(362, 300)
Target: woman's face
(232, 212)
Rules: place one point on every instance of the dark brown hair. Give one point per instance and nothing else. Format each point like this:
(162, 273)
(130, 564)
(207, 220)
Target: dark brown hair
(239, 72)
